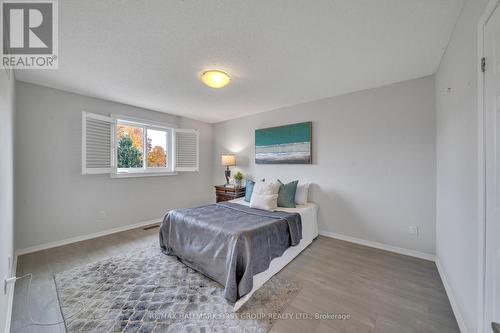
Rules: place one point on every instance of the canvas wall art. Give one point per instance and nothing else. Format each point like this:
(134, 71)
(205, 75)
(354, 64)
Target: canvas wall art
(289, 144)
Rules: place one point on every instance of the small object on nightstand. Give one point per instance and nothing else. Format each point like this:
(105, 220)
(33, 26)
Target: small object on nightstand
(238, 179)
(228, 192)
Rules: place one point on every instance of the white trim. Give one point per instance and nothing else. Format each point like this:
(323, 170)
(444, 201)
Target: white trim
(10, 302)
(380, 246)
(119, 175)
(481, 169)
(98, 117)
(143, 122)
(10, 296)
(173, 158)
(451, 298)
(86, 237)
(84, 142)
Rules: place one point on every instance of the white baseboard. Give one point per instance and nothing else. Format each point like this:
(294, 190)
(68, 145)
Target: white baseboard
(10, 296)
(380, 246)
(451, 298)
(10, 302)
(86, 237)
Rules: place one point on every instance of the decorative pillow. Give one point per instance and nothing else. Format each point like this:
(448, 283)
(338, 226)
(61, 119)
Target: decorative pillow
(249, 189)
(286, 194)
(264, 201)
(266, 188)
(302, 193)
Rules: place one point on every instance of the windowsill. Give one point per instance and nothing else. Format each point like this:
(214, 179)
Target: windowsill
(142, 174)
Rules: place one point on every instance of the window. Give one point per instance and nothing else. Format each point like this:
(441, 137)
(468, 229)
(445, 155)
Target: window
(124, 147)
(142, 148)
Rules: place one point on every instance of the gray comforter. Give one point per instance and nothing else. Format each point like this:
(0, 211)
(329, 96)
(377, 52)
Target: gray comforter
(229, 243)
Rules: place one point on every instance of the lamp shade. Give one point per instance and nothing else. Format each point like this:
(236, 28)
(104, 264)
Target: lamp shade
(228, 159)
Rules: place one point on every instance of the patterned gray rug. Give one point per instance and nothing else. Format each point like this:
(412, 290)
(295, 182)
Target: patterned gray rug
(147, 291)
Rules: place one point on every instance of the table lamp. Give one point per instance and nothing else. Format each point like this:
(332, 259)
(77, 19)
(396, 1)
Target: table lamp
(228, 160)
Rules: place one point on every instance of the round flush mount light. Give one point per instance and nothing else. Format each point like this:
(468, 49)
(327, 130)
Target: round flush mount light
(215, 78)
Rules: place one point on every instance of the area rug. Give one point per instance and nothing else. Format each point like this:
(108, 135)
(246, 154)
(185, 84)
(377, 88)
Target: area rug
(147, 291)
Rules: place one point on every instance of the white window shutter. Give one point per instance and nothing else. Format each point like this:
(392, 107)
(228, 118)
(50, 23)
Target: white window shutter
(186, 147)
(98, 136)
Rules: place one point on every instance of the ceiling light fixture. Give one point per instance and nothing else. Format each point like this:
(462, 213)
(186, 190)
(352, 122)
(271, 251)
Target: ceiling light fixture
(215, 78)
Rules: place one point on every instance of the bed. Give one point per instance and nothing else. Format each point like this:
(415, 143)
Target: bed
(240, 255)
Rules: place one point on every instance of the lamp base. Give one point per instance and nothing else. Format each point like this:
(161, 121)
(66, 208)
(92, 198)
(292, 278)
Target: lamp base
(227, 173)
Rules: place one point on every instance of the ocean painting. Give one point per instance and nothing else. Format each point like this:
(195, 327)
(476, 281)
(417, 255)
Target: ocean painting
(289, 144)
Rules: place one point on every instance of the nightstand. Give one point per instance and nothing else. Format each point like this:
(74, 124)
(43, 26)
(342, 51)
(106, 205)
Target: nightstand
(229, 192)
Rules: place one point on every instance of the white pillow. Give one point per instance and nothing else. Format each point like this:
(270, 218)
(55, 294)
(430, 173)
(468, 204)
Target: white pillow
(302, 193)
(264, 201)
(266, 188)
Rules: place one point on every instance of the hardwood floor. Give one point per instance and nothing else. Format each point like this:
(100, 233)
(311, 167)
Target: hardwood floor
(379, 291)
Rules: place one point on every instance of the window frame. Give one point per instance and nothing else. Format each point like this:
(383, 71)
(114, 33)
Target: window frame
(144, 170)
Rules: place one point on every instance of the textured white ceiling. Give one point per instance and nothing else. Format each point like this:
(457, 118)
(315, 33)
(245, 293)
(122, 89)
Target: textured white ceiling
(282, 52)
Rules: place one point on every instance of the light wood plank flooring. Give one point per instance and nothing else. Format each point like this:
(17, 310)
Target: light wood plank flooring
(381, 291)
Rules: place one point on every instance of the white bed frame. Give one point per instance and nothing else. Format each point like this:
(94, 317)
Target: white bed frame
(309, 233)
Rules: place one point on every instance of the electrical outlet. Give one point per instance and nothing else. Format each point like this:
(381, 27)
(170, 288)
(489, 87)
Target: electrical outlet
(413, 230)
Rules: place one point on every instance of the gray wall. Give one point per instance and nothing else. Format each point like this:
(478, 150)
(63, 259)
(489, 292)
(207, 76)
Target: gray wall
(374, 160)
(457, 212)
(54, 201)
(6, 185)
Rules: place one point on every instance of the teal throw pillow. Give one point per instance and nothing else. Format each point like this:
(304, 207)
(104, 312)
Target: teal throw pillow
(286, 195)
(249, 190)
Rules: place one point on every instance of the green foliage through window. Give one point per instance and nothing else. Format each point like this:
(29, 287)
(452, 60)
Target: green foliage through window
(128, 155)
